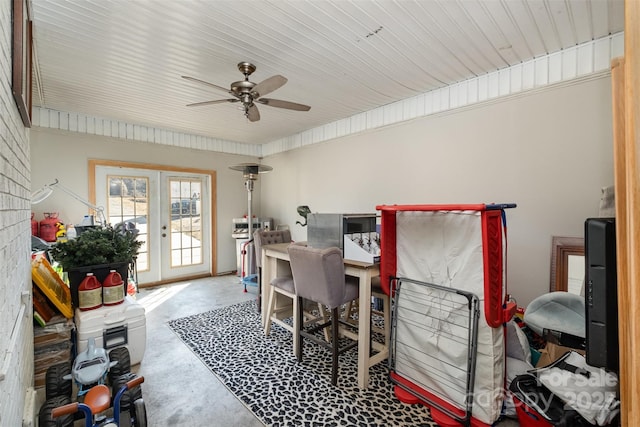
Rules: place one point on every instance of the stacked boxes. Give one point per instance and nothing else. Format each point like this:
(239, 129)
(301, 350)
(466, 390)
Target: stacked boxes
(51, 345)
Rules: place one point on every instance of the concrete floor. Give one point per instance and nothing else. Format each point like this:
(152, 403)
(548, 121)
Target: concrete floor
(178, 389)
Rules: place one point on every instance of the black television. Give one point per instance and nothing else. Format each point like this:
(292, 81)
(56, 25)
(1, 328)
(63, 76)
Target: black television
(601, 293)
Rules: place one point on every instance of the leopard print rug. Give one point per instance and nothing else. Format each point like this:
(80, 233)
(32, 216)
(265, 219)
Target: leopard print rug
(263, 373)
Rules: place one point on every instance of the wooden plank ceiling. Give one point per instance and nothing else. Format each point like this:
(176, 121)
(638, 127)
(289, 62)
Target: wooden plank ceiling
(123, 59)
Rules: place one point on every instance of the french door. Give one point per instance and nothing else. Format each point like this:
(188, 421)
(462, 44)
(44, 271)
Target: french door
(168, 210)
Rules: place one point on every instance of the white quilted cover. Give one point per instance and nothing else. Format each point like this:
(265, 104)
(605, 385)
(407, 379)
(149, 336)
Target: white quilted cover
(445, 248)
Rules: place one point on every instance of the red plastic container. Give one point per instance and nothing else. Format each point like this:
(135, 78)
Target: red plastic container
(113, 289)
(35, 226)
(48, 227)
(77, 274)
(89, 293)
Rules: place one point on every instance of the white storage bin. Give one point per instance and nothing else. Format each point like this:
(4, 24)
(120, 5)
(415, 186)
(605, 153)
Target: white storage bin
(114, 326)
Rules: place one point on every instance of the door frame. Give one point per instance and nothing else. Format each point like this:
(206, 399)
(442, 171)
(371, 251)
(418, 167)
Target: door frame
(93, 163)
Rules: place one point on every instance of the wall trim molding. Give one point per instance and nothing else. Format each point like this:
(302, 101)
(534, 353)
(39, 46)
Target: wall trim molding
(566, 67)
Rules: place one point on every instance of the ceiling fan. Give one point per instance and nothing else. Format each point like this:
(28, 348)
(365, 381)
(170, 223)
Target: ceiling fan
(248, 93)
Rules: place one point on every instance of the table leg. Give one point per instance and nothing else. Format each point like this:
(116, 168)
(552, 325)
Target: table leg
(364, 328)
(269, 269)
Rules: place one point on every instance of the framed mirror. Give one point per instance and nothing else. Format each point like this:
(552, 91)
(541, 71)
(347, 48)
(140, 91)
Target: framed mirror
(567, 264)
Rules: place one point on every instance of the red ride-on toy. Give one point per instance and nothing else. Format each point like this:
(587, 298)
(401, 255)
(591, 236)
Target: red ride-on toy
(96, 403)
(91, 368)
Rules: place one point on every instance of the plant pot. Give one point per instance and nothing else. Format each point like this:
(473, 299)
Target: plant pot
(77, 274)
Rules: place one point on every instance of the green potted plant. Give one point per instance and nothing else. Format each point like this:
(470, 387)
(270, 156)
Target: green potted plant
(97, 251)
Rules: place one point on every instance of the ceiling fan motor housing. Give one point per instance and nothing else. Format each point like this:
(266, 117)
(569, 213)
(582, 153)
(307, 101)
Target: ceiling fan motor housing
(242, 87)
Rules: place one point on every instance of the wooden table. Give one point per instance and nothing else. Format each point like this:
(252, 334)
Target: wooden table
(275, 262)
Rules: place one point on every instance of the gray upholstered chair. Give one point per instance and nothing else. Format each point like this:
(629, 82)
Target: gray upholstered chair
(318, 276)
(283, 285)
(266, 237)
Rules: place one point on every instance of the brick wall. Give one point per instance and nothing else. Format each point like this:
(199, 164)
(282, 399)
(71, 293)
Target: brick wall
(16, 324)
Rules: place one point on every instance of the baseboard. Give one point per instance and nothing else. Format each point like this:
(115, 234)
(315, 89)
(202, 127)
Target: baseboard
(30, 412)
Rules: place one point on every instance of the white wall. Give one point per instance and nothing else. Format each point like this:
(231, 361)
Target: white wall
(16, 314)
(549, 151)
(64, 155)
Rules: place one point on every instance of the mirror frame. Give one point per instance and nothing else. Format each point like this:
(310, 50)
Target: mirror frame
(561, 248)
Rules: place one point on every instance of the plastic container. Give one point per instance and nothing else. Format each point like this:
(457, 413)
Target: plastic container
(48, 227)
(132, 288)
(87, 220)
(71, 232)
(35, 226)
(114, 326)
(89, 293)
(113, 289)
(50, 283)
(77, 274)
(61, 234)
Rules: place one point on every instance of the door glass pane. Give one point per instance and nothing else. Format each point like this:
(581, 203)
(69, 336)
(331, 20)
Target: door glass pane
(186, 221)
(128, 203)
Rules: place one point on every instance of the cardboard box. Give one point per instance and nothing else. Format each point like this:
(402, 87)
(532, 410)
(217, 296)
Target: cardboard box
(552, 352)
(49, 355)
(114, 326)
(58, 330)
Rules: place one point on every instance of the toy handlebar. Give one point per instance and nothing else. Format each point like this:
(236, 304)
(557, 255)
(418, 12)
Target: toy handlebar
(134, 382)
(72, 408)
(69, 408)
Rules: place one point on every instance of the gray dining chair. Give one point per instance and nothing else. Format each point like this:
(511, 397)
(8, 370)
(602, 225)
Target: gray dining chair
(279, 312)
(263, 237)
(319, 276)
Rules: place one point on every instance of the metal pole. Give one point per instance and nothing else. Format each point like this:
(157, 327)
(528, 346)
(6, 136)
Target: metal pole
(250, 217)
(249, 186)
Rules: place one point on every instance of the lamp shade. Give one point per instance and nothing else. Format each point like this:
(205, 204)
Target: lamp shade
(41, 194)
(44, 192)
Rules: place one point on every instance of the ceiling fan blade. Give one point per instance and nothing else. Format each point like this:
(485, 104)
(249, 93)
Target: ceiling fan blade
(252, 113)
(193, 79)
(269, 85)
(284, 104)
(218, 101)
